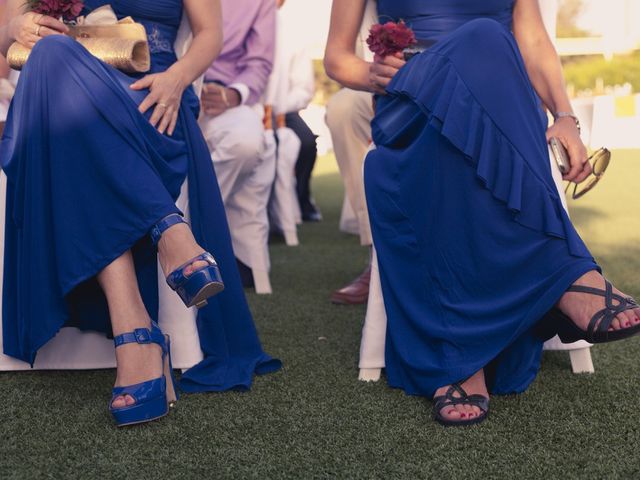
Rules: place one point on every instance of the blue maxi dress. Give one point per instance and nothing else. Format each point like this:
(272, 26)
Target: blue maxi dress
(88, 176)
(474, 245)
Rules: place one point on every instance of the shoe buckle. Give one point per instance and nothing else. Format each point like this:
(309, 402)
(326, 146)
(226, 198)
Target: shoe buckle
(142, 335)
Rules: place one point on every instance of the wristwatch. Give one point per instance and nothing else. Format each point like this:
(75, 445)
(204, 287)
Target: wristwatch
(558, 115)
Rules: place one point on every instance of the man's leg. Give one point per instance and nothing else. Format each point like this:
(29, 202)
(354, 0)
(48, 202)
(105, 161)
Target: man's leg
(349, 115)
(236, 140)
(304, 166)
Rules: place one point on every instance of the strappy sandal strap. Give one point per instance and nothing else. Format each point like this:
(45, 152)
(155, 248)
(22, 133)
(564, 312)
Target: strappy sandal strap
(177, 277)
(614, 305)
(141, 336)
(448, 400)
(163, 225)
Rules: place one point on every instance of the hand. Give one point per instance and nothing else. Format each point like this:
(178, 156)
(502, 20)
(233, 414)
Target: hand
(27, 29)
(217, 99)
(383, 69)
(565, 130)
(165, 92)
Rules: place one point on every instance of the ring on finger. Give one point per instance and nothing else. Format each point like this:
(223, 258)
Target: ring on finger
(163, 105)
(37, 32)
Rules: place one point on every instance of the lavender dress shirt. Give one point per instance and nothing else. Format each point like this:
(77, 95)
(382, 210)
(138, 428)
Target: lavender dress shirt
(249, 29)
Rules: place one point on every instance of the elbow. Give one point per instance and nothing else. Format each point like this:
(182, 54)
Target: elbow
(330, 66)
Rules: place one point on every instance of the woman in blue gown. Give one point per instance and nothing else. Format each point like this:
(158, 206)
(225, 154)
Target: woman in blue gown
(479, 262)
(95, 158)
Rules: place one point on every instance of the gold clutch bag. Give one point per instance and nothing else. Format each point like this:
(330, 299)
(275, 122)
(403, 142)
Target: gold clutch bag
(123, 45)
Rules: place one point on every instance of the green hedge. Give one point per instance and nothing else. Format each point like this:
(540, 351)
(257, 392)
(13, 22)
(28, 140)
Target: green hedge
(583, 73)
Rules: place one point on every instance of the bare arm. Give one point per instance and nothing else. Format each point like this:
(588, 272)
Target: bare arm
(545, 72)
(166, 88)
(340, 60)
(205, 17)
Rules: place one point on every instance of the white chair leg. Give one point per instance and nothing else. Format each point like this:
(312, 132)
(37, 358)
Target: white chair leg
(369, 374)
(262, 282)
(291, 238)
(581, 360)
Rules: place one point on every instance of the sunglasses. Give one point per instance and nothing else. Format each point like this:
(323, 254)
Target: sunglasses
(599, 162)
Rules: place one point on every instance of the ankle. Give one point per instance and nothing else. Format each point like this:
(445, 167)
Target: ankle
(174, 241)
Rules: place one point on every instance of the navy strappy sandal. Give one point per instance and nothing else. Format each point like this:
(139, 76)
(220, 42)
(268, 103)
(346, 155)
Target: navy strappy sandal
(463, 398)
(196, 288)
(598, 329)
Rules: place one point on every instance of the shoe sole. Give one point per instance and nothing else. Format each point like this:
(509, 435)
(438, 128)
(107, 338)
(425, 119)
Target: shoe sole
(461, 423)
(202, 297)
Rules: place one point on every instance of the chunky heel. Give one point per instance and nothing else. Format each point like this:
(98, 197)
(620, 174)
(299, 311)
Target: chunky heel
(152, 398)
(194, 289)
(172, 388)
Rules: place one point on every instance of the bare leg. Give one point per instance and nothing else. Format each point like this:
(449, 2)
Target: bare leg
(136, 363)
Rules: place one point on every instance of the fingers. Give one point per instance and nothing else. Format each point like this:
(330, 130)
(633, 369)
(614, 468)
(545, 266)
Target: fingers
(28, 40)
(52, 24)
(158, 114)
(580, 167)
(173, 123)
(46, 31)
(393, 61)
(165, 121)
(144, 82)
(211, 93)
(382, 70)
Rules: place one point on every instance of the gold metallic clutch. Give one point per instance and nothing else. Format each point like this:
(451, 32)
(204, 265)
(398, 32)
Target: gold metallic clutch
(123, 45)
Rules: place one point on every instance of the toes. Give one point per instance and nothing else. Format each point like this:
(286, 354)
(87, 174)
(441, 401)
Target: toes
(450, 413)
(194, 267)
(474, 411)
(617, 322)
(462, 411)
(123, 401)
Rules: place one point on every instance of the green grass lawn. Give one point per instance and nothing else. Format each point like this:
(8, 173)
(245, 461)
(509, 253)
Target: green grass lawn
(314, 419)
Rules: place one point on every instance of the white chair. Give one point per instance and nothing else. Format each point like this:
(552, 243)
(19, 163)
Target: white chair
(283, 206)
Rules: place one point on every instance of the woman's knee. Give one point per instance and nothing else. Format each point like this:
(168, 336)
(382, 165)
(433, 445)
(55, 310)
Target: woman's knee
(53, 48)
(484, 32)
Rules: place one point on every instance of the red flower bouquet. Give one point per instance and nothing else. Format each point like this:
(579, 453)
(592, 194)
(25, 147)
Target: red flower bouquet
(390, 38)
(64, 9)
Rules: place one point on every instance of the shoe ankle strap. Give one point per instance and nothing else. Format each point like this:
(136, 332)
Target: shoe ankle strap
(141, 336)
(159, 228)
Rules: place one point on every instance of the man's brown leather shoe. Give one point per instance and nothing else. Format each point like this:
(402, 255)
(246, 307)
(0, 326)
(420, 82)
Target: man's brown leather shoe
(356, 293)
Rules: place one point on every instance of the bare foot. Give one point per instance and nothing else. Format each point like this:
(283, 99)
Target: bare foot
(474, 385)
(136, 364)
(581, 307)
(177, 246)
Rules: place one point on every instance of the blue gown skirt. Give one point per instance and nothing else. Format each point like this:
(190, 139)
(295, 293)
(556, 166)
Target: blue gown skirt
(88, 177)
(474, 244)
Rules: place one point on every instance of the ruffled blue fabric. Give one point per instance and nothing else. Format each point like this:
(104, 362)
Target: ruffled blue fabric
(473, 244)
(523, 184)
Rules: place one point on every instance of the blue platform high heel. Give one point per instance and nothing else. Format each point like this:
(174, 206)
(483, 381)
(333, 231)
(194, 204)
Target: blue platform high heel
(202, 284)
(152, 398)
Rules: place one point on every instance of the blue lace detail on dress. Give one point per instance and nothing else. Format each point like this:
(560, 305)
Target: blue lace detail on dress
(159, 42)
